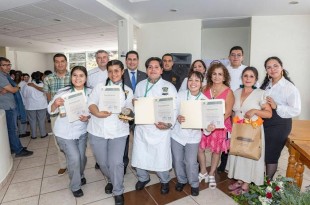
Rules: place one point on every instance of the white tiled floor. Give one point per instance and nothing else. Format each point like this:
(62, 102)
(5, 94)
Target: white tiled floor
(34, 181)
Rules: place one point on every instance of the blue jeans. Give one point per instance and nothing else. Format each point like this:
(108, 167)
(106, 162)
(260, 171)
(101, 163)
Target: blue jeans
(76, 159)
(11, 123)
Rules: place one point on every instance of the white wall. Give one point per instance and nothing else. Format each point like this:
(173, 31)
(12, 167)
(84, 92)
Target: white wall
(156, 39)
(29, 62)
(216, 42)
(287, 37)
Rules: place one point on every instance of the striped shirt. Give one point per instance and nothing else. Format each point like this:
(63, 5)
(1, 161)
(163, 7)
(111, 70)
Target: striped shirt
(52, 83)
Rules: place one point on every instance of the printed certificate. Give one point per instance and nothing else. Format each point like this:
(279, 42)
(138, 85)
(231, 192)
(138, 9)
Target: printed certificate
(153, 110)
(110, 99)
(75, 105)
(200, 113)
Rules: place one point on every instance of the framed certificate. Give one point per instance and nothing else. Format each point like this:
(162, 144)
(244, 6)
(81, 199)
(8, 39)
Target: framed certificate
(110, 99)
(75, 105)
(200, 113)
(153, 110)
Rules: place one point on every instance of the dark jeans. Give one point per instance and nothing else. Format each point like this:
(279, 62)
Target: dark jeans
(11, 122)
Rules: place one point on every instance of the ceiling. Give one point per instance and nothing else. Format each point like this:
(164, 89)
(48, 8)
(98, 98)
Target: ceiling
(83, 25)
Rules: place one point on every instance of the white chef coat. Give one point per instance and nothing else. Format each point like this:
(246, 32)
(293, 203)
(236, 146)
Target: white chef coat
(111, 127)
(151, 146)
(63, 128)
(186, 136)
(286, 96)
(34, 99)
(96, 76)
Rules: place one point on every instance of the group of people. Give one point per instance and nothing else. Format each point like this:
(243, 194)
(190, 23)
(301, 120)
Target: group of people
(162, 146)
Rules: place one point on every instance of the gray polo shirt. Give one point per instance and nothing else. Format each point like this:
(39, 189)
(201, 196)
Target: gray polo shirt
(7, 100)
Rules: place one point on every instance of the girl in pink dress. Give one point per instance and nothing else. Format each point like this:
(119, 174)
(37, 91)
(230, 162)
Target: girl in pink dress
(217, 88)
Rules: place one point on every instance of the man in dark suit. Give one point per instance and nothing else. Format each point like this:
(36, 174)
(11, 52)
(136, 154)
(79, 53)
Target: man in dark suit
(132, 76)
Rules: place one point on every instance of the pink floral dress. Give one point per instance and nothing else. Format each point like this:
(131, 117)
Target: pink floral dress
(217, 141)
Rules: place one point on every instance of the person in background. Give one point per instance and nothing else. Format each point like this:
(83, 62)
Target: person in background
(151, 144)
(197, 65)
(10, 103)
(250, 103)
(72, 136)
(108, 133)
(235, 69)
(168, 74)
(22, 127)
(284, 99)
(52, 83)
(185, 142)
(217, 141)
(12, 74)
(36, 106)
(132, 76)
(25, 77)
(99, 74)
(45, 74)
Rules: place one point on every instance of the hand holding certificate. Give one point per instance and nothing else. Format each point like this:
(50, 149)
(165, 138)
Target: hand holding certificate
(75, 105)
(110, 99)
(200, 113)
(153, 110)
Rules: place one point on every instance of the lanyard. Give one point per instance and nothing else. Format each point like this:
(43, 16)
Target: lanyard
(195, 98)
(147, 88)
(73, 89)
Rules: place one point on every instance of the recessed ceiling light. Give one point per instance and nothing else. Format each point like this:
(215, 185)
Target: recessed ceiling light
(29, 42)
(56, 20)
(58, 39)
(173, 10)
(293, 2)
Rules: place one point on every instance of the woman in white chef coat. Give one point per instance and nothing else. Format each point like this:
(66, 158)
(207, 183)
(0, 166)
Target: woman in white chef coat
(108, 133)
(72, 137)
(151, 145)
(185, 142)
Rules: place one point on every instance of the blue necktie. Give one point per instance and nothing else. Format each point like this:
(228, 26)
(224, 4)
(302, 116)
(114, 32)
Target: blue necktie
(133, 81)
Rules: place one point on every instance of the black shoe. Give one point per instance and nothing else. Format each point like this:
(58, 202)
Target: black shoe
(195, 191)
(141, 185)
(44, 136)
(49, 121)
(78, 193)
(27, 133)
(83, 181)
(179, 186)
(164, 188)
(119, 199)
(108, 188)
(33, 137)
(23, 135)
(24, 153)
(97, 166)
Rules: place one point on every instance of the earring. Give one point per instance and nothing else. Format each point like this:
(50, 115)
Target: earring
(254, 87)
(241, 86)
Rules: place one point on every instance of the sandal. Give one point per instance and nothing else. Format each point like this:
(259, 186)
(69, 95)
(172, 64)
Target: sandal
(235, 185)
(236, 192)
(212, 182)
(203, 177)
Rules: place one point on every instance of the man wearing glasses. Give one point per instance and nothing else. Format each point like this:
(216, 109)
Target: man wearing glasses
(235, 69)
(7, 102)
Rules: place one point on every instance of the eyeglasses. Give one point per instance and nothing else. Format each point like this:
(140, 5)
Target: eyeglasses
(236, 55)
(6, 65)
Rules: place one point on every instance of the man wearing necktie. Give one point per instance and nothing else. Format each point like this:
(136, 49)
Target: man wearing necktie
(132, 76)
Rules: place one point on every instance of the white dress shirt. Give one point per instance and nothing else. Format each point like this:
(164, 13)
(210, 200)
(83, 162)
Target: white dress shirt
(235, 76)
(286, 96)
(34, 99)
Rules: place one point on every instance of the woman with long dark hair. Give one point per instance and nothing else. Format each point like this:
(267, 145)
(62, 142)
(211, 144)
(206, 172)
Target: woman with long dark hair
(284, 99)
